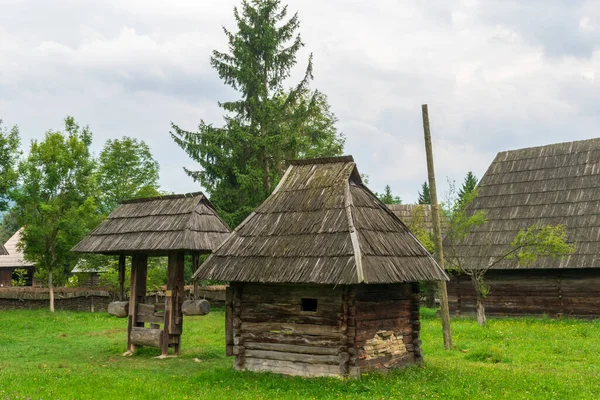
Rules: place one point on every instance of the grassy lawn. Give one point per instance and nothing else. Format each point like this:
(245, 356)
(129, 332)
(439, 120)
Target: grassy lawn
(69, 355)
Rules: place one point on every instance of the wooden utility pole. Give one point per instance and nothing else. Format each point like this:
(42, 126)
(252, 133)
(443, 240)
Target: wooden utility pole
(437, 231)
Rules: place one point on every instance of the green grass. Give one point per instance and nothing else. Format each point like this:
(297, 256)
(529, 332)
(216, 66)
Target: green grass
(69, 355)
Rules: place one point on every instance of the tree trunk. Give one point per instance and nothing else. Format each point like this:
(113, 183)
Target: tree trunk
(480, 310)
(51, 287)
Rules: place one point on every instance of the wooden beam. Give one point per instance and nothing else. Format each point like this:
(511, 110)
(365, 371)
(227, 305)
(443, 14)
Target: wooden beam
(139, 271)
(122, 277)
(229, 321)
(195, 265)
(437, 231)
(173, 319)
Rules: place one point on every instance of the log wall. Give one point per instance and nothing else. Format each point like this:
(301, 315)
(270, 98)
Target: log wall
(574, 292)
(387, 326)
(354, 328)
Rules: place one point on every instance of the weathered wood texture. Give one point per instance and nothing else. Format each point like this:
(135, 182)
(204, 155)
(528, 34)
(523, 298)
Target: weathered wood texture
(195, 307)
(147, 337)
(271, 332)
(173, 316)
(385, 326)
(119, 309)
(139, 271)
(354, 328)
(573, 292)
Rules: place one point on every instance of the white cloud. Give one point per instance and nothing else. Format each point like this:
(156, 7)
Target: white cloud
(496, 75)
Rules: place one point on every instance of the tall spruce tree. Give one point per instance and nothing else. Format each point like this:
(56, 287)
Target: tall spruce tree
(387, 197)
(424, 194)
(243, 160)
(468, 188)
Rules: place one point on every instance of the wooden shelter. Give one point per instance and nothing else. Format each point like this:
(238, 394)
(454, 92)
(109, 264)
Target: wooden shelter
(160, 226)
(323, 278)
(546, 185)
(11, 258)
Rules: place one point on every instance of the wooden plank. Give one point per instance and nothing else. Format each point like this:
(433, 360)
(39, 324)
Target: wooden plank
(302, 329)
(284, 338)
(146, 313)
(294, 357)
(290, 348)
(291, 368)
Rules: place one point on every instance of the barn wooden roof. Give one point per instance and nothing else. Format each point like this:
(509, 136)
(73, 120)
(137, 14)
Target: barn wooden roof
(321, 225)
(186, 222)
(417, 213)
(553, 184)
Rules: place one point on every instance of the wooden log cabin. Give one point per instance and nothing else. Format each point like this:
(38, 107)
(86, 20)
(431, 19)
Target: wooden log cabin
(323, 278)
(12, 258)
(546, 185)
(171, 226)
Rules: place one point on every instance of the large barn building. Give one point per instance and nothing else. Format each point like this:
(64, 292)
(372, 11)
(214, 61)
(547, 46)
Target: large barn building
(323, 278)
(547, 185)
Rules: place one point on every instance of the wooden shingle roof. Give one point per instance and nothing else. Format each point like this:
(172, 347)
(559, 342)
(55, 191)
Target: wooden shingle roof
(546, 185)
(321, 225)
(157, 225)
(10, 255)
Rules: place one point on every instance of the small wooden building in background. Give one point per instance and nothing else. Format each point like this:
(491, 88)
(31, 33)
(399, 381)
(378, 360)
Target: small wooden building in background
(11, 258)
(171, 226)
(323, 278)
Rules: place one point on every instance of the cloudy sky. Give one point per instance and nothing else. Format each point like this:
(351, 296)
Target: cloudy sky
(497, 75)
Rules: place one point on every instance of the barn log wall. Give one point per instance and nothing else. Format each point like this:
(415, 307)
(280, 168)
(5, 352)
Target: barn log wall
(573, 292)
(355, 328)
(387, 326)
(272, 333)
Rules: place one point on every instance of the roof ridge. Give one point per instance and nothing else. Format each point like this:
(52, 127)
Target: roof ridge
(353, 233)
(550, 145)
(322, 160)
(162, 197)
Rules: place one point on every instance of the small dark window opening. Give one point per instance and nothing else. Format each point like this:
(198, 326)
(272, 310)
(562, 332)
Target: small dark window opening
(309, 305)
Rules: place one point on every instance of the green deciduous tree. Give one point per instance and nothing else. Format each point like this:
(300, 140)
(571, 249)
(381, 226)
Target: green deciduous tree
(527, 246)
(424, 194)
(9, 158)
(126, 170)
(55, 200)
(9, 225)
(243, 160)
(387, 197)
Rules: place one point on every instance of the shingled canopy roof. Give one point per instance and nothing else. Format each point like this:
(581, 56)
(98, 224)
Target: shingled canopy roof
(321, 225)
(546, 185)
(157, 225)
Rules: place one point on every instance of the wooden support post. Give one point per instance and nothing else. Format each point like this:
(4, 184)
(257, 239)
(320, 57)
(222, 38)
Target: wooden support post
(195, 265)
(437, 231)
(173, 300)
(139, 272)
(122, 277)
(229, 321)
